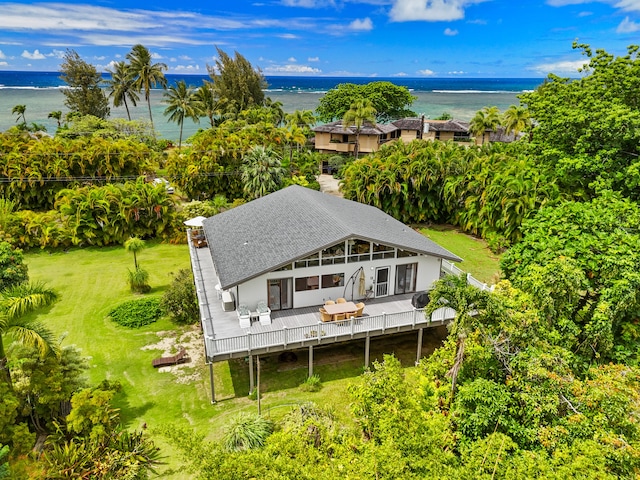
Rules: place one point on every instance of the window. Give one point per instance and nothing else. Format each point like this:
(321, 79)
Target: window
(307, 283)
(310, 261)
(406, 278)
(406, 253)
(359, 251)
(333, 254)
(437, 134)
(333, 280)
(288, 266)
(381, 251)
(461, 136)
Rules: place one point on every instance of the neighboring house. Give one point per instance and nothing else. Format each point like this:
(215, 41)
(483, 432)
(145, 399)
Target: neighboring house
(294, 250)
(334, 137)
(298, 247)
(443, 130)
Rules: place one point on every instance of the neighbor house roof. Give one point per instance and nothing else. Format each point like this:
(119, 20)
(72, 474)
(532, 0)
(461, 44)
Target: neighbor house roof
(272, 231)
(413, 123)
(367, 128)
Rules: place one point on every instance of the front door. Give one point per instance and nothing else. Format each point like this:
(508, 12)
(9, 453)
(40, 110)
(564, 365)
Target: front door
(280, 295)
(382, 282)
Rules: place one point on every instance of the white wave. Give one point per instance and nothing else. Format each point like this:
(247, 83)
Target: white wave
(473, 91)
(12, 87)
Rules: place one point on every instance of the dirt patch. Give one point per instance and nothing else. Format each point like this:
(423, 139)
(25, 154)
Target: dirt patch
(170, 342)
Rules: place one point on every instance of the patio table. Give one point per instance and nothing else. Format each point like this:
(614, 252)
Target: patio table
(338, 308)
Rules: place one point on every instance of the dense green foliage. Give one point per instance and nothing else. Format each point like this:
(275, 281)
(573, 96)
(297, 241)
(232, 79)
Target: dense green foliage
(389, 101)
(180, 301)
(137, 313)
(13, 270)
(84, 95)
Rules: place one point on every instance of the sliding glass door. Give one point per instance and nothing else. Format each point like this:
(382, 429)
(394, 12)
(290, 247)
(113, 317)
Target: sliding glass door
(406, 278)
(280, 293)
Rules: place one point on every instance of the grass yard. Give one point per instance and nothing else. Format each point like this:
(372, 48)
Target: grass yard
(477, 259)
(92, 281)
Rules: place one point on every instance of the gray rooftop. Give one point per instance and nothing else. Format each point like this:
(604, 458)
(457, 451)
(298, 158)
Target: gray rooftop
(367, 128)
(292, 223)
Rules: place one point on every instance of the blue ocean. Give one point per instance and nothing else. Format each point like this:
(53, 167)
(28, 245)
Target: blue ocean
(41, 93)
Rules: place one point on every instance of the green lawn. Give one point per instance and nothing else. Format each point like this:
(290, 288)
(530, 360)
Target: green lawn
(91, 281)
(477, 259)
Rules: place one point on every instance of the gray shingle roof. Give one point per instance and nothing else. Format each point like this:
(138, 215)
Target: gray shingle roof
(367, 128)
(275, 230)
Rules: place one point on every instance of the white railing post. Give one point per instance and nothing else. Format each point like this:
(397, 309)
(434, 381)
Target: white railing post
(318, 333)
(415, 314)
(249, 341)
(284, 329)
(384, 321)
(352, 326)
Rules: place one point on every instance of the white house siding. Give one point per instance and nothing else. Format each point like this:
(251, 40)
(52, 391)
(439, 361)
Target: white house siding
(255, 290)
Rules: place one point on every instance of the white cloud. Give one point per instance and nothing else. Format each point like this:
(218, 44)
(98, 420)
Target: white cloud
(627, 5)
(363, 25)
(309, 3)
(291, 69)
(2, 55)
(628, 26)
(564, 66)
(288, 36)
(187, 68)
(399, 74)
(313, 59)
(429, 10)
(426, 72)
(156, 56)
(292, 59)
(184, 58)
(450, 33)
(4, 64)
(36, 55)
(457, 72)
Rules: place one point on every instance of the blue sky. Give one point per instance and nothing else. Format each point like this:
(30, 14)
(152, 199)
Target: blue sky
(368, 38)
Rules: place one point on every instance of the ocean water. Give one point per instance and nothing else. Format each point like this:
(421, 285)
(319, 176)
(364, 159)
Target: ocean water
(461, 97)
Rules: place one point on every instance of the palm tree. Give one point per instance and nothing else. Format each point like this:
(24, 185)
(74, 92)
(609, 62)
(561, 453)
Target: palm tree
(15, 303)
(301, 118)
(121, 86)
(360, 112)
(262, 172)
(134, 245)
(207, 102)
(57, 115)
(486, 119)
(182, 104)
(516, 119)
(145, 74)
(19, 111)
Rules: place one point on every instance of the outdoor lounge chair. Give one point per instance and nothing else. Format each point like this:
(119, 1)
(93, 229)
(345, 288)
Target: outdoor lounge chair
(329, 302)
(264, 313)
(180, 357)
(324, 316)
(341, 300)
(244, 316)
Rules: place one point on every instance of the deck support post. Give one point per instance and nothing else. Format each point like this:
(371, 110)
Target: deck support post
(419, 352)
(310, 360)
(367, 342)
(213, 393)
(250, 374)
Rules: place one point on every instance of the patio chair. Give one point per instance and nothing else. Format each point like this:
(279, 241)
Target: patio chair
(340, 316)
(329, 302)
(324, 316)
(341, 300)
(244, 316)
(180, 357)
(360, 309)
(264, 313)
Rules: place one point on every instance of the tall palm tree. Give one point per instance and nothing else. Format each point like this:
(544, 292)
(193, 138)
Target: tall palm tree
(486, 119)
(361, 112)
(262, 172)
(301, 118)
(145, 74)
(135, 245)
(19, 111)
(15, 303)
(121, 86)
(207, 103)
(516, 119)
(182, 103)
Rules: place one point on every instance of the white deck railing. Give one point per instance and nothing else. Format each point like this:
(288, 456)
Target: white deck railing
(451, 268)
(324, 332)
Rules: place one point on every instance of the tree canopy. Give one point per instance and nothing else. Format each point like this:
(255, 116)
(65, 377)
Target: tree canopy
(389, 101)
(85, 95)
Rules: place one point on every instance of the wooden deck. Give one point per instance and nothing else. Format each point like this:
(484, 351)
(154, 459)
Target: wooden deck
(299, 327)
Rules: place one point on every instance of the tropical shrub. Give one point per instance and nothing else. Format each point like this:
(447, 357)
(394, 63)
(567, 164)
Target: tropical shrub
(180, 301)
(137, 313)
(311, 384)
(247, 431)
(13, 270)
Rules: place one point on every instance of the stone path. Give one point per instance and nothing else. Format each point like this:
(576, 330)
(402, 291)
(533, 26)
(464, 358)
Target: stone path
(329, 185)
